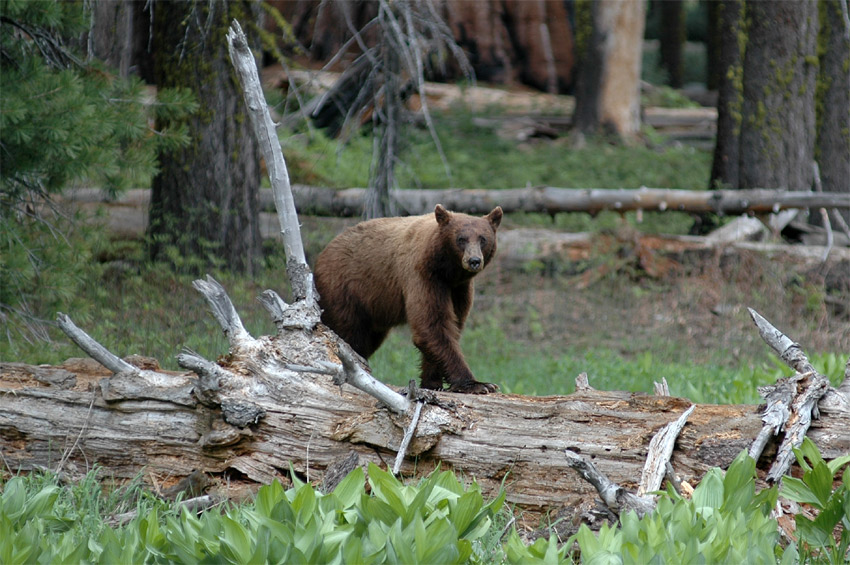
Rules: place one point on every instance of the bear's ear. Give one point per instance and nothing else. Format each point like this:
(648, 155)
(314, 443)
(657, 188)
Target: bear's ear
(495, 217)
(443, 216)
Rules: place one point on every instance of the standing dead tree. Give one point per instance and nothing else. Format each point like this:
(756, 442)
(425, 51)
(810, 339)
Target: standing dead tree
(286, 401)
(394, 49)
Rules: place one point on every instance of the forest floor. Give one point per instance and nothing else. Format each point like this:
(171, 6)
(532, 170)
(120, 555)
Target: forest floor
(695, 313)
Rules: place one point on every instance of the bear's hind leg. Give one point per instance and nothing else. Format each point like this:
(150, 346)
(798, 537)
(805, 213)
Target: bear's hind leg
(365, 342)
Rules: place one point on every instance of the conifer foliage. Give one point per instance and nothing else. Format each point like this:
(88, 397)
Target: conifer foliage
(64, 119)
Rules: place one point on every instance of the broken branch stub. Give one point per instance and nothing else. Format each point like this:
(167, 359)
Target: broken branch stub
(223, 310)
(95, 350)
(614, 496)
(791, 403)
(660, 450)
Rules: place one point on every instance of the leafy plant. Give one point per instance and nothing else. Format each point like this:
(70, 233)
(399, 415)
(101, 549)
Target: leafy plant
(437, 521)
(725, 521)
(817, 537)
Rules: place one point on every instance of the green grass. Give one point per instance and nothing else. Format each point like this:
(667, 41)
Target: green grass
(519, 367)
(478, 158)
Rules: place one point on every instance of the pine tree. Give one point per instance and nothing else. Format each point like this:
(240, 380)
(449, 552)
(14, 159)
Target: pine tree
(64, 119)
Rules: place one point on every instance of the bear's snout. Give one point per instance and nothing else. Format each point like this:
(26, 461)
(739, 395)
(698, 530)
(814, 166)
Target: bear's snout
(474, 264)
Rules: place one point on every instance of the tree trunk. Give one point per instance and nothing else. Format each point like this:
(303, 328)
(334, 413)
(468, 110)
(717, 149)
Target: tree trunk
(110, 36)
(539, 41)
(713, 69)
(833, 119)
(672, 40)
(608, 90)
(778, 113)
(505, 41)
(729, 16)
(204, 200)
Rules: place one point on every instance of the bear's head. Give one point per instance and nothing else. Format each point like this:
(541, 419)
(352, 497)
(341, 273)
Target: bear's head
(472, 238)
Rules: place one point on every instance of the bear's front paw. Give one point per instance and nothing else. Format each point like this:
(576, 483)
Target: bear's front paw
(474, 387)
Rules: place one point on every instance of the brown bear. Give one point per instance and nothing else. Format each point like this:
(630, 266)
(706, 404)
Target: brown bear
(385, 272)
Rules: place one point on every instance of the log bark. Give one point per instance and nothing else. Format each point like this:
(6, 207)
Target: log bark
(310, 422)
(321, 201)
(552, 200)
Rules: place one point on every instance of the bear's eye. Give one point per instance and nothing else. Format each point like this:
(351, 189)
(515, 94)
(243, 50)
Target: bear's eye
(482, 240)
(462, 241)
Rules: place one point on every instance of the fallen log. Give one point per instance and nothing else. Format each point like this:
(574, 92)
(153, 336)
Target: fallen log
(319, 201)
(306, 420)
(322, 201)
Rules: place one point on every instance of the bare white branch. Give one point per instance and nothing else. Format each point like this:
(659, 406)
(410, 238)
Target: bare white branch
(95, 350)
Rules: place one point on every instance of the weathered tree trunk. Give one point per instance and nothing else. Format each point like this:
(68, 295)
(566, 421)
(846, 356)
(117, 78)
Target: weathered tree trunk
(712, 45)
(608, 89)
(778, 113)
(832, 150)
(204, 200)
(729, 20)
(110, 36)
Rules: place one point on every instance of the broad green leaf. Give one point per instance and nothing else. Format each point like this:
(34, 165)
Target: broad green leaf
(417, 506)
(70, 551)
(376, 535)
(790, 556)
(304, 504)
(739, 483)
(830, 515)
(497, 502)
(441, 497)
(348, 491)
(399, 549)
(420, 538)
(810, 451)
(374, 509)
(709, 491)
(587, 541)
(836, 464)
(352, 550)
(604, 557)
(235, 542)
(465, 511)
(268, 497)
(260, 552)
(296, 482)
(40, 505)
(151, 535)
(813, 535)
(447, 480)
(798, 491)
(440, 534)
(13, 501)
(819, 480)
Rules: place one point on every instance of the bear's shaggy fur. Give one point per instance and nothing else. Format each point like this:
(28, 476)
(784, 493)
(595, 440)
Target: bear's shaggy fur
(385, 272)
